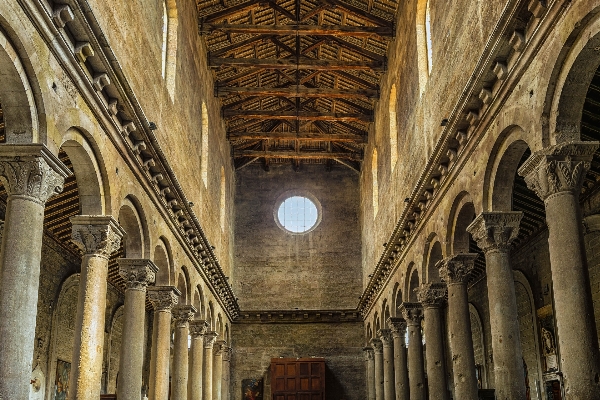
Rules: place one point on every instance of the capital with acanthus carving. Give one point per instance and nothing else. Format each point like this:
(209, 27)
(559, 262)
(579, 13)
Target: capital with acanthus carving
(412, 313)
(137, 273)
(227, 353)
(219, 347)
(183, 314)
(369, 353)
(432, 295)
(377, 345)
(98, 235)
(198, 328)
(31, 171)
(385, 335)
(559, 168)
(397, 327)
(163, 298)
(210, 339)
(456, 269)
(495, 231)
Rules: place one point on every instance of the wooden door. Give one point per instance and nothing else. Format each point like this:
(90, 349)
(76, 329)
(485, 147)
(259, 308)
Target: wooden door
(298, 379)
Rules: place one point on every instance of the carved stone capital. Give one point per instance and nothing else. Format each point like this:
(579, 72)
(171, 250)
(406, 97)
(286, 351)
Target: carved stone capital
(210, 339)
(198, 328)
(183, 314)
(385, 335)
(377, 345)
(137, 273)
(31, 171)
(559, 168)
(227, 353)
(397, 327)
(457, 269)
(432, 295)
(219, 347)
(163, 298)
(98, 235)
(494, 231)
(369, 353)
(412, 313)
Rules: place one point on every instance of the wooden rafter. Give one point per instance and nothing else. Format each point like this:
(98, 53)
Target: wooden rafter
(296, 155)
(302, 30)
(304, 136)
(297, 91)
(228, 12)
(297, 115)
(291, 63)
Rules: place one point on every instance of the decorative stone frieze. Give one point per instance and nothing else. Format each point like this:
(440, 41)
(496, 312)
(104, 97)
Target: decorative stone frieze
(209, 339)
(97, 235)
(412, 313)
(432, 294)
(163, 298)
(137, 273)
(558, 168)
(198, 328)
(457, 269)
(183, 315)
(494, 231)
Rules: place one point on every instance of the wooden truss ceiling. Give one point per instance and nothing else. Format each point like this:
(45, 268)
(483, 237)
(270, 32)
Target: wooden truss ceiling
(297, 79)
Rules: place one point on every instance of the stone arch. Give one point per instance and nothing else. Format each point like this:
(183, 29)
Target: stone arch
(16, 94)
(412, 283)
(211, 316)
(63, 327)
(479, 349)
(376, 323)
(133, 221)
(226, 335)
(434, 255)
(198, 302)
(183, 285)
(114, 350)
(369, 332)
(462, 214)
(219, 326)
(385, 315)
(502, 168)
(570, 79)
(396, 299)
(163, 260)
(92, 183)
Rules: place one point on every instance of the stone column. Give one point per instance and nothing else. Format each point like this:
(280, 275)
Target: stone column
(163, 298)
(378, 352)
(32, 174)
(494, 231)
(398, 328)
(226, 373)
(433, 296)
(182, 314)
(370, 366)
(413, 314)
(455, 271)
(218, 349)
(556, 175)
(197, 330)
(98, 237)
(138, 274)
(389, 389)
(207, 383)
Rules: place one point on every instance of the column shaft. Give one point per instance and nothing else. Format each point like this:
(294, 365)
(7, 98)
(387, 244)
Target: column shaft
(218, 348)
(370, 368)
(413, 314)
(379, 386)
(207, 379)
(389, 387)
(226, 374)
(179, 380)
(197, 330)
(398, 328)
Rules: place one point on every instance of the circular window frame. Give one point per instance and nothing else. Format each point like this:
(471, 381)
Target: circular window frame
(297, 193)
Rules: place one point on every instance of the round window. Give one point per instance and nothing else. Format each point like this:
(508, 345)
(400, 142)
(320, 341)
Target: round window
(297, 214)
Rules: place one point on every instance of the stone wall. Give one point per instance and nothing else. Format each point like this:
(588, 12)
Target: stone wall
(278, 270)
(339, 343)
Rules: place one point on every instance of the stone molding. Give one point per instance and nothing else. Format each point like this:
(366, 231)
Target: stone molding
(297, 316)
(97, 235)
(183, 314)
(369, 353)
(209, 339)
(137, 273)
(163, 298)
(198, 328)
(412, 313)
(495, 231)
(377, 345)
(457, 269)
(432, 295)
(385, 335)
(397, 327)
(559, 168)
(31, 171)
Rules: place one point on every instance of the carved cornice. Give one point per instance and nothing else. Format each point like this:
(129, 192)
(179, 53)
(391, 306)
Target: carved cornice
(31, 171)
(183, 315)
(163, 298)
(198, 328)
(495, 231)
(209, 339)
(137, 273)
(432, 295)
(377, 345)
(297, 316)
(122, 118)
(559, 168)
(457, 269)
(97, 235)
(412, 313)
(456, 143)
(397, 327)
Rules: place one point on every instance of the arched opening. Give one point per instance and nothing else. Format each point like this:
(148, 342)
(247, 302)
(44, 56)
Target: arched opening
(479, 350)
(134, 239)
(369, 332)
(393, 127)
(386, 316)
(435, 255)
(424, 43)
(413, 285)
(211, 316)
(204, 156)
(162, 261)
(219, 326)
(375, 182)
(182, 286)
(198, 302)
(116, 338)
(376, 323)
(169, 48)
(396, 299)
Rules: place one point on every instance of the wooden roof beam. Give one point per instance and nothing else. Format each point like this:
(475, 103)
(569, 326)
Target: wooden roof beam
(296, 155)
(355, 79)
(301, 30)
(296, 115)
(228, 12)
(359, 12)
(303, 136)
(291, 63)
(357, 49)
(238, 45)
(297, 91)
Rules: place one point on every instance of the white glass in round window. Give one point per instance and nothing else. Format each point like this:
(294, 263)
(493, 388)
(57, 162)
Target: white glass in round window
(297, 214)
